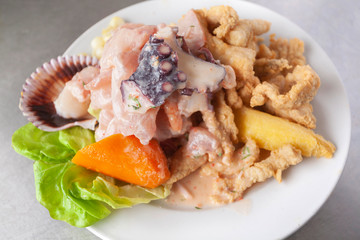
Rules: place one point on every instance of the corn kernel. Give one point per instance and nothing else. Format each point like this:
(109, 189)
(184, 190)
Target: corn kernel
(107, 33)
(98, 52)
(97, 42)
(116, 21)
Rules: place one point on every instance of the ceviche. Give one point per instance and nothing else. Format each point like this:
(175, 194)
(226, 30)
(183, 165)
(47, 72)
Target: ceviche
(193, 112)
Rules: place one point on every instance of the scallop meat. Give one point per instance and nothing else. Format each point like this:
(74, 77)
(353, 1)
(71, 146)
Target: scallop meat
(44, 86)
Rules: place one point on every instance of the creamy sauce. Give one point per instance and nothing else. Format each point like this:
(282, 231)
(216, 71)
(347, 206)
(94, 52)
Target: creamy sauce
(193, 191)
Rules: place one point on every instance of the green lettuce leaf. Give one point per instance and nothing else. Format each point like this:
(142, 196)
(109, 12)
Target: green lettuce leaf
(94, 112)
(51, 147)
(53, 190)
(117, 194)
(70, 192)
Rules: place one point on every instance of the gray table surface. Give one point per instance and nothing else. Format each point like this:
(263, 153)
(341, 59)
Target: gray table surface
(33, 31)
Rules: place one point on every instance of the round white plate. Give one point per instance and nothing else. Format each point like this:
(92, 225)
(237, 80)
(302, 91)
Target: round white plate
(269, 210)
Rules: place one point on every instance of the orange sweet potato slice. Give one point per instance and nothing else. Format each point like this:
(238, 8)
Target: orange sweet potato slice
(126, 159)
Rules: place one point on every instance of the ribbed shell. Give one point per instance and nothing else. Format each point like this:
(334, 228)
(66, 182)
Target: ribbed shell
(43, 87)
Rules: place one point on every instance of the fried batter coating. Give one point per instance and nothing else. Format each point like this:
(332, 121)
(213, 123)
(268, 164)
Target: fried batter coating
(232, 186)
(265, 52)
(302, 115)
(225, 24)
(216, 128)
(292, 50)
(266, 68)
(272, 166)
(287, 86)
(243, 158)
(225, 116)
(221, 19)
(233, 99)
(241, 59)
(281, 82)
(245, 32)
(182, 164)
(294, 104)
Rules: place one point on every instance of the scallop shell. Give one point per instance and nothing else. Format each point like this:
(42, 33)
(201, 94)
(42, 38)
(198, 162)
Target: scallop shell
(43, 87)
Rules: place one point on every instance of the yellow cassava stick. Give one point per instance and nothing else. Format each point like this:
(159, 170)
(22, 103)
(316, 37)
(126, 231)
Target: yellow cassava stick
(271, 132)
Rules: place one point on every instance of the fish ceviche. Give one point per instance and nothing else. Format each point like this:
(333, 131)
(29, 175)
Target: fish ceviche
(194, 113)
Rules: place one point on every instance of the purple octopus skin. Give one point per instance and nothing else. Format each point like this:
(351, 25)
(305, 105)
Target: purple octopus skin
(209, 57)
(157, 75)
(202, 76)
(182, 43)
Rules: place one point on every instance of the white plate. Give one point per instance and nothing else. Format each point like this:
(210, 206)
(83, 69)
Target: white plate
(269, 210)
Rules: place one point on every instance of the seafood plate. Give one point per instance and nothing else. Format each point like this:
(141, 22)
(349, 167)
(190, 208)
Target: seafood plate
(208, 131)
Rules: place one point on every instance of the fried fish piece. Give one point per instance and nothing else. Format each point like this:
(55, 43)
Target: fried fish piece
(294, 104)
(182, 164)
(243, 157)
(233, 99)
(278, 161)
(265, 52)
(241, 59)
(266, 68)
(226, 25)
(225, 175)
(291, 50)
(221, 19)
(245, 33)
(215, 127)
(246, 169)
(225, 116)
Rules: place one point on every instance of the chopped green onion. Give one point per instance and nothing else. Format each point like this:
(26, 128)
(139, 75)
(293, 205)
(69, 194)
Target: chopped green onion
(246, 151)
(137, 103)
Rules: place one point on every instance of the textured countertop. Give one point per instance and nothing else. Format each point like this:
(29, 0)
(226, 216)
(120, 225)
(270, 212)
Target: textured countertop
(33, 31)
